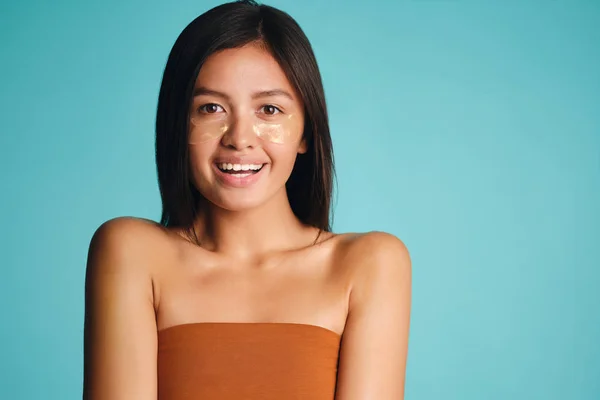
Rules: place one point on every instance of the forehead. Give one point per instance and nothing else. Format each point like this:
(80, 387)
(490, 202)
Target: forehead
(248, 68)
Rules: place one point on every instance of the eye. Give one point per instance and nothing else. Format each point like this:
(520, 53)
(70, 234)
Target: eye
(270, 109)
(210, 108)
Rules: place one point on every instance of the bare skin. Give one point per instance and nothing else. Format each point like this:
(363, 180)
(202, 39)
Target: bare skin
(256, 263)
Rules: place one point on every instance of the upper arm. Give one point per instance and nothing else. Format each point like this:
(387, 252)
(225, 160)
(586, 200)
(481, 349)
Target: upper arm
(375, 341)
(120, 340)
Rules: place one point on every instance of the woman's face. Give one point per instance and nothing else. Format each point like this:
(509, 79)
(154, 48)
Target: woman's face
(246, 128)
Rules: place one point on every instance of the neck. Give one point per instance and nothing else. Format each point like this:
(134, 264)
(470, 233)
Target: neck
(249, 233)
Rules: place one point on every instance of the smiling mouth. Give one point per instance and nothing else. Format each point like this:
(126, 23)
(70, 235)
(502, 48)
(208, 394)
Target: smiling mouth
(240, 169)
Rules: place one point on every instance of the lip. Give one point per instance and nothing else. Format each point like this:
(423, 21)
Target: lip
(238, 182)
(238, 160)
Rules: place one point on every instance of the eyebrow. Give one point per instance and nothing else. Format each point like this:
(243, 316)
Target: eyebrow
(201, 90)
(272, 93)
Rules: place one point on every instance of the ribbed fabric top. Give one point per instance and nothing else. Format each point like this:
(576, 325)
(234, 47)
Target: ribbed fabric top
(231, 360)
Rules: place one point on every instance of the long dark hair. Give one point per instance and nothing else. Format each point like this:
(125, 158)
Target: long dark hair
(233, 25)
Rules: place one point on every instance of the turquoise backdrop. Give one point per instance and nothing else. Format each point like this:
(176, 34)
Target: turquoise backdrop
(470, 129)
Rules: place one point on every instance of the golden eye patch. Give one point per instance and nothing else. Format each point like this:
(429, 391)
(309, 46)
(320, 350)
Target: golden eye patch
(277, 128)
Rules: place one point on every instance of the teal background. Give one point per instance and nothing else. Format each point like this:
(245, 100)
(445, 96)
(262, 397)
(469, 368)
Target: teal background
(470, 129)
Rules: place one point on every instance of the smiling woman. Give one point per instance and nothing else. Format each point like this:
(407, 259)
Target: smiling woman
(245, 116)
(242, 290)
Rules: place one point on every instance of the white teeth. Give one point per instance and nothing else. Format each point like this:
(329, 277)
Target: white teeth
(239, 167)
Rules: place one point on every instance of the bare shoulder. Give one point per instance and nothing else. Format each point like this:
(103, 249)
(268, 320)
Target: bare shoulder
(373, 253)
(127, 239)
(128, 231)
(374, 243)
(374, 350)
(120, 324)
(131, 248)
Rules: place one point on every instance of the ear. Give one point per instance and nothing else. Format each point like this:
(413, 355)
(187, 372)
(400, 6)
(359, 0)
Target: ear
(302, 146)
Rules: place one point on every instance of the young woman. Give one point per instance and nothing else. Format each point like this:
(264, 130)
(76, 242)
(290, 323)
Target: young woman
(242, 291)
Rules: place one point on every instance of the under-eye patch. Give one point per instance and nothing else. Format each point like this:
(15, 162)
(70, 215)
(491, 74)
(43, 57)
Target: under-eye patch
(211, 126)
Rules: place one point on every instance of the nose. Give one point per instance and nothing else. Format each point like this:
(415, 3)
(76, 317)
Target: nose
(240, 133)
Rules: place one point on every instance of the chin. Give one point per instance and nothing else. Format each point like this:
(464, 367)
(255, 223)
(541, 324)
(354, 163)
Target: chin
(237, 202)
(241, 195)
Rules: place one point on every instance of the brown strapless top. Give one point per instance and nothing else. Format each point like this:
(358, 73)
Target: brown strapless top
(249, 361)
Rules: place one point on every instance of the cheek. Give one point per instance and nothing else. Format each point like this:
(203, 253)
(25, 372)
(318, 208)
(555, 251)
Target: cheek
(198, 154)
(207, 131)
(283, 157)
(286, 130)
